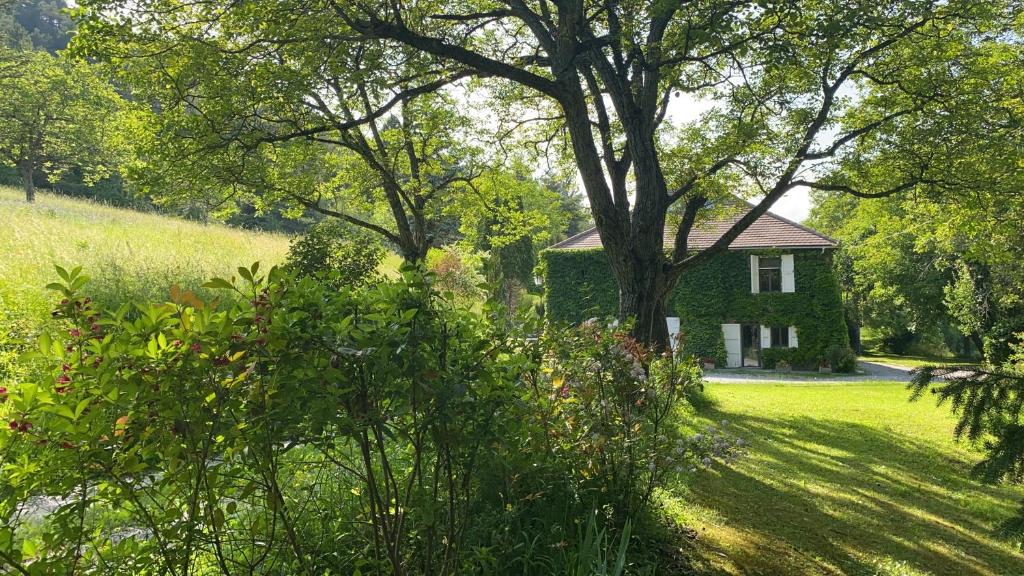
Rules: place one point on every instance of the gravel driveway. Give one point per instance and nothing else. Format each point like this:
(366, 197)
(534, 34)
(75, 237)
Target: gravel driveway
(867, 371)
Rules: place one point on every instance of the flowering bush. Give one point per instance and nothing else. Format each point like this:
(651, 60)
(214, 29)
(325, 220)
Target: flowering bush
(612, 414)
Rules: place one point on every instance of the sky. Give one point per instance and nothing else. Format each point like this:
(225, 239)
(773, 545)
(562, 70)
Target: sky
(794, 205)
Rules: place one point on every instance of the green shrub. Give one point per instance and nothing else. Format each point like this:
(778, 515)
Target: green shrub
(841, 358)
(456, 270)
(336, 255)
(316, 430)
(770, 357)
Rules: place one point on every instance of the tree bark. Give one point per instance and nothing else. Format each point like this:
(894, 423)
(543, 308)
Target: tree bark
(28, 182)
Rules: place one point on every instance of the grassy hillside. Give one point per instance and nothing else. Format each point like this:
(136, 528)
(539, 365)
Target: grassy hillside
(127, 254)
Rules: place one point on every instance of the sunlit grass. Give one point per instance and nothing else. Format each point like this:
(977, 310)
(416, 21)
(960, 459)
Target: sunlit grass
(128, 254)
(845, 479)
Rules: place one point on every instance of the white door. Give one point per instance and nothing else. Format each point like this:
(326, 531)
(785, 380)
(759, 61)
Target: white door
(733, 355)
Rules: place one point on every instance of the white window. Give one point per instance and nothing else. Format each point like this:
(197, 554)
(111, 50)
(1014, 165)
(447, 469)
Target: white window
(778, 337)
(772, 274)
(673, 330)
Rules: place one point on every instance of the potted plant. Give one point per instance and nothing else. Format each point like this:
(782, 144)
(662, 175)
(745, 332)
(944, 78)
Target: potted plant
(824, 367)
(708, 362)
(783, 366)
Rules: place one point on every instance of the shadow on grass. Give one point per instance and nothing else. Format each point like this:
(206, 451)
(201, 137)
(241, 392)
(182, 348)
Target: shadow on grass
(819, 496)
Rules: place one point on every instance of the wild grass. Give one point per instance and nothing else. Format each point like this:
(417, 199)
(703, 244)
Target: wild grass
(845, 479)
(127, 254)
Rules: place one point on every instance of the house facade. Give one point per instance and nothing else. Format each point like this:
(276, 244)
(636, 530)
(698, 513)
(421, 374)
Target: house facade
(771, 297)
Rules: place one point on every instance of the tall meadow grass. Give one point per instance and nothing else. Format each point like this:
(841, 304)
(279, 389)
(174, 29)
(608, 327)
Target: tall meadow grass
(128, 255)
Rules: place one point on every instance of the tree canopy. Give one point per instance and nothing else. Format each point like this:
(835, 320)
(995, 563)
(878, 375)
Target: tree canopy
(56, 114)
(795, 85)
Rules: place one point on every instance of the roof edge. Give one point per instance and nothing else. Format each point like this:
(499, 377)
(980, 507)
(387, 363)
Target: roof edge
(558, 245)
(792, 223)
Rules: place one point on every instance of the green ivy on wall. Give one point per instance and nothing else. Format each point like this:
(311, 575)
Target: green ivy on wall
(579, 285)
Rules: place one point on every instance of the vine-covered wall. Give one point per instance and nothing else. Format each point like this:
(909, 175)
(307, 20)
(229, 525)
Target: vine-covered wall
(579, 285)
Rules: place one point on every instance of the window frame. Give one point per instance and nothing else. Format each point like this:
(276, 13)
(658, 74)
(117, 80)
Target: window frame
(779, 336)
(771, 273)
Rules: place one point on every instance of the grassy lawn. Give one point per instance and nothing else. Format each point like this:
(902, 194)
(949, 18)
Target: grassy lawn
(845, 479)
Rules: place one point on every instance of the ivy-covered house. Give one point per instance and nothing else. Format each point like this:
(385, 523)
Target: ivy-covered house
(772, 296)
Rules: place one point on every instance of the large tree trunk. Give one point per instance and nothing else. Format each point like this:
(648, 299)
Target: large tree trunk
(28, 182)
(646, 308)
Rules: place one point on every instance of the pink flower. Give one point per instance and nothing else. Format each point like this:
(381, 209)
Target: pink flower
(196, 347)
(65, 367)
(564, 392)
(95, 327)
(25, 426)
(13, 425)
(176, 343)
(64, 379)
(75, 332)
(3, 391)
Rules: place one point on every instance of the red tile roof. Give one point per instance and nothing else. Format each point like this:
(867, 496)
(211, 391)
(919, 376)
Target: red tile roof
(768, 231)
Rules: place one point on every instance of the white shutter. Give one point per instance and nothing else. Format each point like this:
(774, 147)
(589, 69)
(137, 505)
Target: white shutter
(731, 334)
(766, 337)
(754, 283)
(673, 330)
(792, 337)
(788, 280)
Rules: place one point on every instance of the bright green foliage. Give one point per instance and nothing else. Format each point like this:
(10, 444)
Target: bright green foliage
(300, 429)
(336, 255)
(304, 125)
(55, 114)
(949, 254)
(578, 286)
(592, 80)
